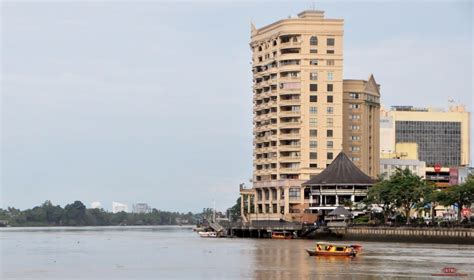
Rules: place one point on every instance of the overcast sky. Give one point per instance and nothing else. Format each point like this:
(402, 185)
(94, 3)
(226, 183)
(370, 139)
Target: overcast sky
(152, 102)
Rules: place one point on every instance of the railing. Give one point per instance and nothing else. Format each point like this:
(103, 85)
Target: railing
(290, 136)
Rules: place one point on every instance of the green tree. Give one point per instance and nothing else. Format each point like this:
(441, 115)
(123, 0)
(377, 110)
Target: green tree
(462, 195)
(383, 195)
(234, 212)
(409, 190)
(75, 213)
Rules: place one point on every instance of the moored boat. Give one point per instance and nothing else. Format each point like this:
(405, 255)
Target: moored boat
(207, 234)
(329, 249)
(282, 235)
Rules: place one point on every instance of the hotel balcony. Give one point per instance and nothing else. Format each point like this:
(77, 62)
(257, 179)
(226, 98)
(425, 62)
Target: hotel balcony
(290, 44)
(292, 101)
(289, 136)
(289, 170)
(292, 147)
(290, 124)
(289, 159)
(289, 113)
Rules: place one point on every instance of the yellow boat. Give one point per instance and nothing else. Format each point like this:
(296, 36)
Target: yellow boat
(282, 235)
(329, 249)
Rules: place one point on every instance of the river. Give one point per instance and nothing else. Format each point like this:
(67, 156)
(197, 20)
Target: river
(172, 252)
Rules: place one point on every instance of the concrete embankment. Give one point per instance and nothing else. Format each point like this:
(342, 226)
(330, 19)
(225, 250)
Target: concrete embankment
(408, 234)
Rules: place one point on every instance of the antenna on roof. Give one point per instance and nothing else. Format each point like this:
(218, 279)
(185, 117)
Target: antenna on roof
(313, 5)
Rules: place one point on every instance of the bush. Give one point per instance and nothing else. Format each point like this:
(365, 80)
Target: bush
(361, 220)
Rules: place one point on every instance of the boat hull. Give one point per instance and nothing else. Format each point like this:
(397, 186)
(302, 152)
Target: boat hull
(337, 254)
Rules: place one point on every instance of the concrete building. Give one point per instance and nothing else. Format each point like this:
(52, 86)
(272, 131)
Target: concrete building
(361, 124)
(303, 113)
(442, 136)
(141, 208)
(96, 205)
(388, 166)
(119, 207)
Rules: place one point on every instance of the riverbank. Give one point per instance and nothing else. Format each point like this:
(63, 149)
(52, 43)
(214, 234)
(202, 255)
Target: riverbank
(407, 234)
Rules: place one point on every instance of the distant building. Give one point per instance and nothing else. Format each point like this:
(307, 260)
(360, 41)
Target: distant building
(388, 166)
(442, 136)
(119, 207)
(141, 208)
(96, 205)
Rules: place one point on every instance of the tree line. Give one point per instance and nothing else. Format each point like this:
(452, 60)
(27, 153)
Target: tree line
(404, 191)
(76, 214)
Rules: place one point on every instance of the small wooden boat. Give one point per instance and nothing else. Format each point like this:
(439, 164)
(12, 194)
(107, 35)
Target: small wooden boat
(328, 249)
(207, 234)
(282, 235)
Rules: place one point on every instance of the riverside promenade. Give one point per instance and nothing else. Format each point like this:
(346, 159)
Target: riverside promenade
(447, 235)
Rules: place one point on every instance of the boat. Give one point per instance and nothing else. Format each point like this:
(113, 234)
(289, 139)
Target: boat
(282, 235)
(207, 234)
(329, 249)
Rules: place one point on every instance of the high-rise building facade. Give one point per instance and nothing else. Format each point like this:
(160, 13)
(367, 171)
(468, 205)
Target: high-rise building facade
(361, 124)
(299, 112)
(442, 137)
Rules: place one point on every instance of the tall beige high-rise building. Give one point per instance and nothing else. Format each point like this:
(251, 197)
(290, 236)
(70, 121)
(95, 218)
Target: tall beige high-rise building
(301, 113)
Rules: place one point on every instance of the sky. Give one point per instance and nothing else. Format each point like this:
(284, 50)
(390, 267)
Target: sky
(151, 101)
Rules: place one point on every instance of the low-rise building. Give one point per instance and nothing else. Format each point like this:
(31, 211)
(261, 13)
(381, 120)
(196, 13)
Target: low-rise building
(388, 166)
(119, 207)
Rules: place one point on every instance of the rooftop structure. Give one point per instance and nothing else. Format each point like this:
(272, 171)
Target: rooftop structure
(340, 184)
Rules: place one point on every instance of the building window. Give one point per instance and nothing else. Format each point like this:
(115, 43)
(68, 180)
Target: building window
(313, 98)
(330, 62)
(354, 127)
(313, 165)
(354, 95)
(313, 62)
(330, 155)
(313, 51)
(329, 122)
(313, 122)
(313, 76)
(329, 110)
(330, 76)
(329, 144)
(329, 98)
(313, 155)
(313, 41)
(355, 148)
(294, 193)
(313, 133)
(354, 106)
(355, 138)
(355, 158)
(329, 133)
(313, 144)
(330, 51)
(329, 87)
(354, 117)
(313, 87)
(330, 41)
(313, 110)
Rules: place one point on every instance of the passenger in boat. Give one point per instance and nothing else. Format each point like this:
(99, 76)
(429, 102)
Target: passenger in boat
(318, 247)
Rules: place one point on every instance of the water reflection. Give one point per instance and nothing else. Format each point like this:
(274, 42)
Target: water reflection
(177, 252)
